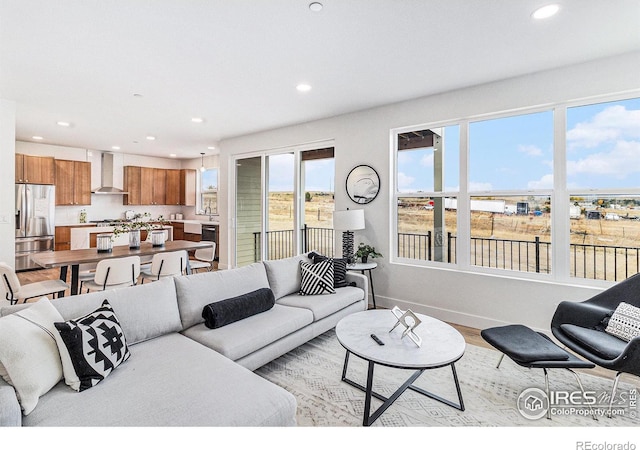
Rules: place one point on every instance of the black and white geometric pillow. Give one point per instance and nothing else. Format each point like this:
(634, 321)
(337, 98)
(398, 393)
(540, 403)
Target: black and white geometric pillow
(96, 345)
(339, 269)
(317, 278)
(625, 322)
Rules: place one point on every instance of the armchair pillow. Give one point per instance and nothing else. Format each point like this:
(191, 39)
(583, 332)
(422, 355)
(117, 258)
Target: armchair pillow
(91, 347)
(624, 322)
(29, 358)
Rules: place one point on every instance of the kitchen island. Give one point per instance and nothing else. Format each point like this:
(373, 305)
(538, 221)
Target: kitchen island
(86, 237)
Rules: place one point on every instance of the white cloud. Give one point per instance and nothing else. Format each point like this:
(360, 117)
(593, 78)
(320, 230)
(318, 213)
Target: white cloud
(620, 162)
(546, 182)
(613, 123)
(427, 160)
(405, 158)
(530, 150)
(404, 181)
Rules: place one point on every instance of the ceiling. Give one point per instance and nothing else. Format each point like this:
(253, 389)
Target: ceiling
(120, 70)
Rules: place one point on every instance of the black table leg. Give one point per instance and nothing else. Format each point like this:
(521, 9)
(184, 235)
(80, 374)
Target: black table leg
(63, 277)
(75, 271)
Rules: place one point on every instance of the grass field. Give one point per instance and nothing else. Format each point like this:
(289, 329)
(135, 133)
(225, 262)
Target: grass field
(415, 219)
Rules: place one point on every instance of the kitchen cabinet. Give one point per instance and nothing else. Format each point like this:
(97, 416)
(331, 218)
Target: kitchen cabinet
(188, 187)
(73, 182)
(192, 237)
(154, 186)
(35, 169)
(63, 236)
(178, 231)
(172, 187)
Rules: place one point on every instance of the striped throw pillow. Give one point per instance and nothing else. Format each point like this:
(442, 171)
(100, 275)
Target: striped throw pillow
(317, 278)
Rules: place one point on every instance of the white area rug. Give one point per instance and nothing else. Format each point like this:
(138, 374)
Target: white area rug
(312, 373)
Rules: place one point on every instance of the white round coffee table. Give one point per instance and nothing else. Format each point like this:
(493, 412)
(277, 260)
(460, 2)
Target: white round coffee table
(442, 345)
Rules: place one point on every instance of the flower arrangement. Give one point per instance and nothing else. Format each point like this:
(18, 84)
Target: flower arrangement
(140, 222)
(365, 251)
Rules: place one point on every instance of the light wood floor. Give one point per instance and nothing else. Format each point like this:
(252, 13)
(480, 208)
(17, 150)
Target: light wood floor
(471, 335)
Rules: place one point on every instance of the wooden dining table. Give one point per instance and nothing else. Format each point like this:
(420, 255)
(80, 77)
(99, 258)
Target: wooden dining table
(73, 258)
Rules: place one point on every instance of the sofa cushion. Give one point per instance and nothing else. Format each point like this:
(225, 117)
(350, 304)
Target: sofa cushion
(170, 381)
(597, 342)
(284, 274)
(145, 311)
(224, 312)
(324, 305)
(28, 352)
(317, 278)
(248, 335)
(198, 290)
(339, 269)
(624, 322)
(91, 347)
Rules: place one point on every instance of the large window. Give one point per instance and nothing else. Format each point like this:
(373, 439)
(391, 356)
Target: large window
(209, 191)
(427, 182)
(510, 185)
(603, 182)
(552, 192)
(283, 209)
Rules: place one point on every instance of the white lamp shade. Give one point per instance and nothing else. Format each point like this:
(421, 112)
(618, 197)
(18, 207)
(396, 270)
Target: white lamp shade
(349, 220)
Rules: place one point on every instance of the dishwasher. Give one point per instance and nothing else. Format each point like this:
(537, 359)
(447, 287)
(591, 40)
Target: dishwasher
(210, 233)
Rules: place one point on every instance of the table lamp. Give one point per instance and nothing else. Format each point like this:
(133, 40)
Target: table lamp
(347, 221)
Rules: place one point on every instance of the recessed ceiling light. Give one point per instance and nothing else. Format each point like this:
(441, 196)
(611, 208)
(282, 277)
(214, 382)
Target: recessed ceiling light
(63, 124)
(315, 6)
(172, 155)
(546, 11)
(303, 87)
(115, 147)
(211, 148)
(37, 138)
(151, 138)
(197, 119)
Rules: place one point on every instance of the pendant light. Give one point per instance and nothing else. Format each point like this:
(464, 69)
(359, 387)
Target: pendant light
(202, 169)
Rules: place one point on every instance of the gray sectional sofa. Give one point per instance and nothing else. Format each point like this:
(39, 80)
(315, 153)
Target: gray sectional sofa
(181, 373)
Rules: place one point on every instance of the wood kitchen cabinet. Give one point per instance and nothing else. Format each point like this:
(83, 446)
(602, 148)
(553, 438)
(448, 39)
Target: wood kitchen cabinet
(35, 169)
(73, 182)
(153, 186)
(178, 230)
(188, 187)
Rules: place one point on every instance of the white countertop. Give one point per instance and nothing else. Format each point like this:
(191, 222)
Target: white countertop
(80, 236)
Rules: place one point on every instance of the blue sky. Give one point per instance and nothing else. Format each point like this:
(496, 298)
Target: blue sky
(513, 153)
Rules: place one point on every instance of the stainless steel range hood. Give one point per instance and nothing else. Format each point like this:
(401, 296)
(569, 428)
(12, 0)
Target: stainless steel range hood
(106, 177)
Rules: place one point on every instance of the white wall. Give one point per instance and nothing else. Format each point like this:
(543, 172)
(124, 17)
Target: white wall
(7, 181)
(364, 138)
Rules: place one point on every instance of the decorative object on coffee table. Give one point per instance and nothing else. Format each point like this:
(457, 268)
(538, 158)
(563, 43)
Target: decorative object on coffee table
(410, 322)
(363, 184)
(348, 221)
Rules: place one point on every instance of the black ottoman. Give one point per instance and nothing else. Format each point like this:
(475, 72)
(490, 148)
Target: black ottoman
(531, 349)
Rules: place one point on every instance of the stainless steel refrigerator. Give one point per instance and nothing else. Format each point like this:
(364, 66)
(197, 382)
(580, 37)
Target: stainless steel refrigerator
(35, 229)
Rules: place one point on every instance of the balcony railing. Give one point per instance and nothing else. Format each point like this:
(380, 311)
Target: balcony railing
(599, 262)
(280, 243)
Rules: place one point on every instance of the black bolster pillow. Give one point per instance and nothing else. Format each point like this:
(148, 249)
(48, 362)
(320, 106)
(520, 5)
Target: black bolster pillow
(224, 312)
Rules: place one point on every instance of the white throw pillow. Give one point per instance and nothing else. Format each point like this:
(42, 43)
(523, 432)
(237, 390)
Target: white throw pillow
(625, 322)
(29, 353)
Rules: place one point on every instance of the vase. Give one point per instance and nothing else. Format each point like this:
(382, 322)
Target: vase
(364, 259)
(104, 244)
(157, 238)
(134, 239)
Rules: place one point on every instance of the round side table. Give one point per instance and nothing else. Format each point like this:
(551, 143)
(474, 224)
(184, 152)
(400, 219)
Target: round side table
(365, 267)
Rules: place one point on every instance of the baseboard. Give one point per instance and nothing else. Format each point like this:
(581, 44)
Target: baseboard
(446, 315)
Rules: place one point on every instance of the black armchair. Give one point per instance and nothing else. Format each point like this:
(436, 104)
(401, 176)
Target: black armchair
(580, 327)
